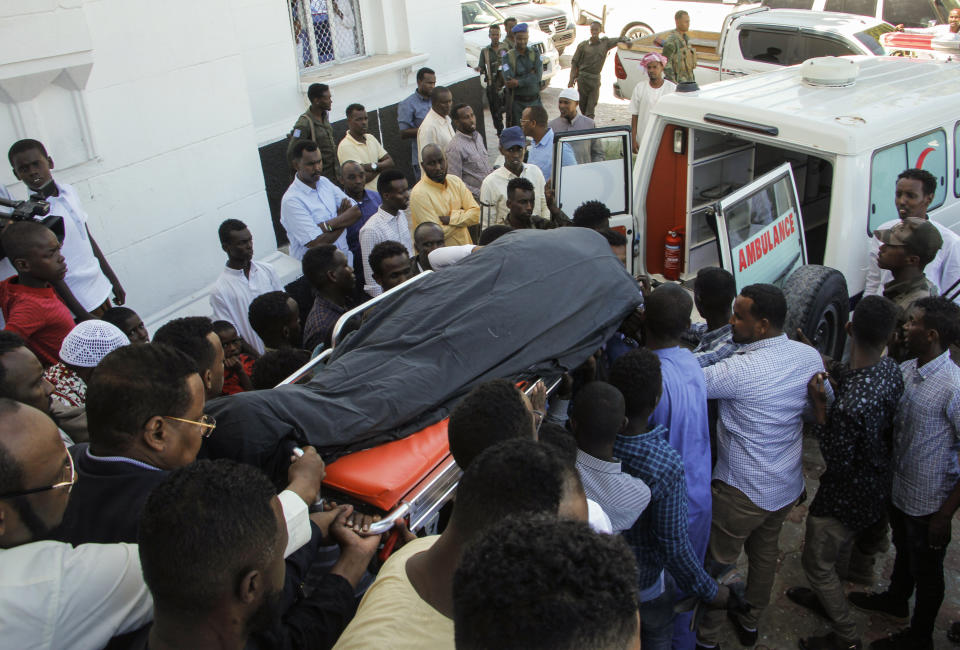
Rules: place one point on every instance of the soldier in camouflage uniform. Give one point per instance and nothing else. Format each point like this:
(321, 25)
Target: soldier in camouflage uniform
(315, 125)
(522, 72)
(491, 58)
(586, 65)
(681, 57)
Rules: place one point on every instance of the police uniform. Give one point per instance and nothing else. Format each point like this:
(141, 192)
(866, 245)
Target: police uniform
(585, 70)
(308, 127)
(526, 68)
(681, 58)
(490, 62)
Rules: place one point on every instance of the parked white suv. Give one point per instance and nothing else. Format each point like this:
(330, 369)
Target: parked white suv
(478, 15)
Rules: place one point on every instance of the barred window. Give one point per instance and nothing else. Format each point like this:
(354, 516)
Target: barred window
(326, 32)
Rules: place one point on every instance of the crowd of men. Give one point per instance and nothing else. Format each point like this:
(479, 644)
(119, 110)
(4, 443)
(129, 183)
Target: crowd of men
(601, 516)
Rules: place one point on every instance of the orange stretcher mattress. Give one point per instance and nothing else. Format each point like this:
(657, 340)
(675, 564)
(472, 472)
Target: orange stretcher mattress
(381, 476)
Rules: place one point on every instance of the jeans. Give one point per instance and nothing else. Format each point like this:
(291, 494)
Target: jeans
(824, 539)
(917, 566)
(656, 620)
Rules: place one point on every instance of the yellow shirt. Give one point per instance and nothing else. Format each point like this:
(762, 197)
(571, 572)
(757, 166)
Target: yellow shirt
(367, 152)
(430, 200)
(392, 614)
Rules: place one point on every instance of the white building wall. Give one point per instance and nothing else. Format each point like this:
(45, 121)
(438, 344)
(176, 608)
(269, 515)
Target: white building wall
(170, 101)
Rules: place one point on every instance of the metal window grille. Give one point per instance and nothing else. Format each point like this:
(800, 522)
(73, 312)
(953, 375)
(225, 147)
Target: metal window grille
(326, 32)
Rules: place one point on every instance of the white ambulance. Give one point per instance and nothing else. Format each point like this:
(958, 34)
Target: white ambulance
(780, 177)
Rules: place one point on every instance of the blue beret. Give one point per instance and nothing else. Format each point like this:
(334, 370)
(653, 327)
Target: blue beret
(522, 27)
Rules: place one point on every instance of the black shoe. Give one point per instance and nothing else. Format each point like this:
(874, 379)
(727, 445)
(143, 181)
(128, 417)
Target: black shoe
(880, 603)
(805, 597)
(708, 647)
(902, 640)
(746, 637)
(830, 642)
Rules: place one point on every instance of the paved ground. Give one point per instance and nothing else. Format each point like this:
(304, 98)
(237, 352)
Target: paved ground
(783, 623)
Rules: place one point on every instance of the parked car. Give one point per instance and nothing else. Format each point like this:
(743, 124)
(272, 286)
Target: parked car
(758, 40)
(551, 19)
(478, 15)
(909, 13)
(636, 18)
(800, 161)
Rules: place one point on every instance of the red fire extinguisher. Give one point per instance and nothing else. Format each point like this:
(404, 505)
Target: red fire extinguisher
(672, 254)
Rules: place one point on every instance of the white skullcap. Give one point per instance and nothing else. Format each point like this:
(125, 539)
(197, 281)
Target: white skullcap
(89, 342)
(571, 94)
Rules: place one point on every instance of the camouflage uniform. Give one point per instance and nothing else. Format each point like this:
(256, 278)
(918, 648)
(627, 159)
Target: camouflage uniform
(681, 58)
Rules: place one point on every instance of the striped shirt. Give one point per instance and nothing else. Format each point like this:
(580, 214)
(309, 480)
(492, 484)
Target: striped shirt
(622, 497)
(659, 538)
(381, 227)
(926, 436)
(762, 393)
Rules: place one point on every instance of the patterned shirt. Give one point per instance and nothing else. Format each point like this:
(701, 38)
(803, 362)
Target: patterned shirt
(659, 537)
(714, 346)
(381, 227)
(68, 388)
(467, 158)
(855, 443)
(622, 497)
(762, 393)
(323, 316)
(926, 437)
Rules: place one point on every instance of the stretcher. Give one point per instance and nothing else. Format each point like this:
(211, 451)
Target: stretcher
(922, 45)
(411, 478)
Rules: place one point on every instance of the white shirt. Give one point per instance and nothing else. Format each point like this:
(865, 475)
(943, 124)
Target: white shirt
(55, 596)
(445, 256)
(434, 130)
(598, 519)
(84, 277)
(643, 98)
(943, 271)
(493, 192)
(233, 292)
(380, 227)
(304, 208)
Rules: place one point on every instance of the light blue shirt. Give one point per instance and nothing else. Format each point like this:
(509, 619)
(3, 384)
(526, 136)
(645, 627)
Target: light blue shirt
(541, 155)
(683, 410)
(410, 114)
(304, 208)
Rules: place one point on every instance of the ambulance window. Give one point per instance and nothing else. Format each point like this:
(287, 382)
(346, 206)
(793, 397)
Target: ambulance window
(928, 152)
(859, 7)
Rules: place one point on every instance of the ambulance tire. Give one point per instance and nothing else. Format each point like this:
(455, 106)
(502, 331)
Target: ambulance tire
(819, 305)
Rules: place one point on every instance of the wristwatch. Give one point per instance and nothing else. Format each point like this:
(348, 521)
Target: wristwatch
(374, 166)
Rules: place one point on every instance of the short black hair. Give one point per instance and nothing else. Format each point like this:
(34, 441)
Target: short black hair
(20, 237)
(943, 316)
(492, 233)
(518, 183)
(276, 365)
(425, 225)
(387, 177)
(509, 19)
(928, 180)
(118, 316)
(131, 385)
(301, 146)
(435, 97)
(715, 289)
(268, 310)
(680, 14)
(316, 90)
(354, 107)
(598, 411)
(491, 412)
(422, 72)
(385, 250)
(456, 109)
(614, 237)
(27, 144)
(206, 525)
(555, 435)
(228, 226)
(637, 376)
(512, 476)
(222, 326)
(317, 261)
(591, 214)
(873, 321)
(11, 470)
(539, 114)
(668, 311)
(768, 302)
(538, 582)
(189, 335)
(9, 341)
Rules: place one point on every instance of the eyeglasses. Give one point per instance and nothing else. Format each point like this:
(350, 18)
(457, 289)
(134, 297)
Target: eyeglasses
(206, 423)
(71, 479)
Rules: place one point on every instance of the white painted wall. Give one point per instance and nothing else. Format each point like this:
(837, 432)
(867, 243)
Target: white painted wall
(170, 101)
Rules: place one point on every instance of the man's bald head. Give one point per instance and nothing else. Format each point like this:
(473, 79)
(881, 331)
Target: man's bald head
(433, 163)
(32, 455)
